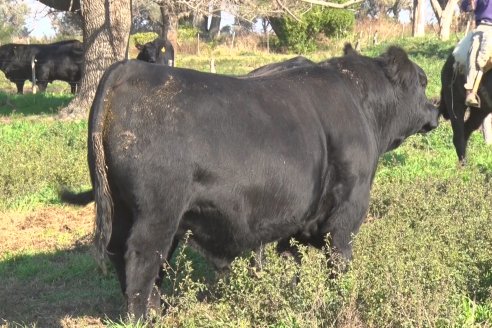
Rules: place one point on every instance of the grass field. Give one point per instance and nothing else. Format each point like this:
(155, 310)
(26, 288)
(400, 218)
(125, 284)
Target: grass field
(423, 258)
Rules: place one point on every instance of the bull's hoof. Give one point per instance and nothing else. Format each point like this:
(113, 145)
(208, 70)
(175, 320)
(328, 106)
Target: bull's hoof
(137, 308)
(155, 301)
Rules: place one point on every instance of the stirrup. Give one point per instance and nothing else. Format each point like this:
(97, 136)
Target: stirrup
(472, 100)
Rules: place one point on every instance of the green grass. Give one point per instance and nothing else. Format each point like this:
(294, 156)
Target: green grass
(32, 104)
(423, 259)
(37, 157)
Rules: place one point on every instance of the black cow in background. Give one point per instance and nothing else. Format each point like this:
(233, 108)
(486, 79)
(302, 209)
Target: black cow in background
(295, 62)
(152, 52)
(452, 105)
(56, 61)
(241, 162)
(273, 68)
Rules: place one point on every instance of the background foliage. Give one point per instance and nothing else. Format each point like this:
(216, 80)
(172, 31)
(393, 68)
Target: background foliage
(12, 20)
(300, 36)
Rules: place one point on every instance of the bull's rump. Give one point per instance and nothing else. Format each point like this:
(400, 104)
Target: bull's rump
(249, 155)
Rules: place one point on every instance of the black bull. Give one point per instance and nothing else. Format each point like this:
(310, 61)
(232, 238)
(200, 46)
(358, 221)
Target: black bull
(56, 61)
(241, 162)
(151, 52)
(452, 105)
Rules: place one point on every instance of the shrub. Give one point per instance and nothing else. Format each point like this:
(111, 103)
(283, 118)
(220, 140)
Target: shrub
(143, 38)
(300, 36)
(187, 33)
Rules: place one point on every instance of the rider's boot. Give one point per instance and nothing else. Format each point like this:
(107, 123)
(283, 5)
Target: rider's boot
(472, 99)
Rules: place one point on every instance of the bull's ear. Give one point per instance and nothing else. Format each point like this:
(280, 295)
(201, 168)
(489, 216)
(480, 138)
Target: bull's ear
(349, 50)
(139, 46)
(159, 42)
(398, 66)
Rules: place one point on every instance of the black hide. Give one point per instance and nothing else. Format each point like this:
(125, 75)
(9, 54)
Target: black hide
(56, 61)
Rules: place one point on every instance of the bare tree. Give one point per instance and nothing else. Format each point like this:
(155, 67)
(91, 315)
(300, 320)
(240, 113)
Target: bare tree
(12, 19)
(418, 24)
(106, 32)
(146, 16)
(382, 8)
(444, 11)
(67, 23)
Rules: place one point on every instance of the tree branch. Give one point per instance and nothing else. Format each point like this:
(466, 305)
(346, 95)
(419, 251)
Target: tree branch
(437, 9)
(287, 10)
(332, 4)
(62, 5)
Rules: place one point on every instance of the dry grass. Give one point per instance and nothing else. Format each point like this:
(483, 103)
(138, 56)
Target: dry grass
(49, 278)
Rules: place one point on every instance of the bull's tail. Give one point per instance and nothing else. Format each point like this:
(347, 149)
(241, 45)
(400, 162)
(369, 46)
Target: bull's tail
(80, 199)
(97, 163)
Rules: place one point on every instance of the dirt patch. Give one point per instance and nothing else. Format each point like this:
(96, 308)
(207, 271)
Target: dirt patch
(46, 229)
(49, 278)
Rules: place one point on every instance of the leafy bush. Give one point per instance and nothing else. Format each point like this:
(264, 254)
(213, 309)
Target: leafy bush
(143, 38)
(300, 36)
(187, 33)
(423, 249)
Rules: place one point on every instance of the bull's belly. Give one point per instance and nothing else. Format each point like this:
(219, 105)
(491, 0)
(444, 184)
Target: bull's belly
(221, 238)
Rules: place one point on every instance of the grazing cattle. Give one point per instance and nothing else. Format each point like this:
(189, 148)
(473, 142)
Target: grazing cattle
(452, 104)
(56, 61)
(152, 52)
(241, 162)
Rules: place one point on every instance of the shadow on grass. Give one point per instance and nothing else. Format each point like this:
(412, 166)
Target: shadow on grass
(484, 278)
(33, 104)
(59, 289)
(66, 289)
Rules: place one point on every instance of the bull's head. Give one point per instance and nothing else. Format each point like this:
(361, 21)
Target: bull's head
(150, 51)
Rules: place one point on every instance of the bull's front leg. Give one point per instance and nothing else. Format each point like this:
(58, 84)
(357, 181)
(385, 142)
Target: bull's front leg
(344, 223)
(473, 122)
(458, 126)
(73, 88)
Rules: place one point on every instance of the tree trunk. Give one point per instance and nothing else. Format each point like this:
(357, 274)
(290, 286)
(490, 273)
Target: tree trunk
(106, 32)
(169, 25)
(418, 24)
(445, 27)
(201, 22)
(446, 20)
(213, 32)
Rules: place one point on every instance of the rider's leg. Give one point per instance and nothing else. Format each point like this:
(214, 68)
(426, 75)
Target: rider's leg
(482, 57)
(471, 77)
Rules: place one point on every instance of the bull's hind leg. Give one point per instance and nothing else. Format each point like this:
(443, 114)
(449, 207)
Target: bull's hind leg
(473, 122)
(148, 246)
(73, 88)
(117, 245)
